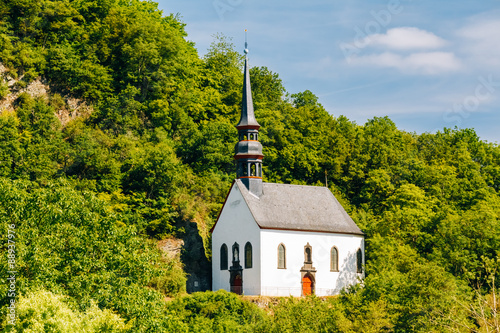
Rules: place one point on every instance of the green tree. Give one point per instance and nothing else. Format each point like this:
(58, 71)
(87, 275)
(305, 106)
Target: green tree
(10, 147)
(267, 88)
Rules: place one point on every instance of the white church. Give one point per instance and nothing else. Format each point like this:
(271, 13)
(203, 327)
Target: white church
(279, 239)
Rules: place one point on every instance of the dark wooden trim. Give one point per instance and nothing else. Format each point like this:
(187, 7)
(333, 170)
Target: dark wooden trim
(241, 156)
(243, 127)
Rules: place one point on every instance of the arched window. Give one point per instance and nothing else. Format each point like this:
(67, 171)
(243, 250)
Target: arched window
(251, 136)
(248, 255)
(252, 170)
(281, 256)
(359, 261)
(240, 169)
(334, 259)
(223, 257)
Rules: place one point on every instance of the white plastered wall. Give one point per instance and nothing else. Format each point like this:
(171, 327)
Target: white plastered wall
(285, 282)
(236, 224)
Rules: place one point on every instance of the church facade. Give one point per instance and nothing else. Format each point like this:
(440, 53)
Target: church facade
(279, 239)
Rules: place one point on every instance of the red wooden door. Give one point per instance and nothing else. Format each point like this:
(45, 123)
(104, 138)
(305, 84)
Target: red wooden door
(237, 286)
(307, 285)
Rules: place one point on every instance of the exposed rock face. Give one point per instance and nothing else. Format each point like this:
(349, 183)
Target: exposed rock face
(171, 247)
(191, 253)
(35, 89)
(74, 108)
(196, 264)
(71, 108)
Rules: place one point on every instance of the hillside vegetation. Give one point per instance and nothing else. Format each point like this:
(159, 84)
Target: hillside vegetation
(151, 158)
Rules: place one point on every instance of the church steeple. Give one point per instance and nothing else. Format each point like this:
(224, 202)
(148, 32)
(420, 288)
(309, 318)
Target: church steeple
(247, 114)
(248, 151)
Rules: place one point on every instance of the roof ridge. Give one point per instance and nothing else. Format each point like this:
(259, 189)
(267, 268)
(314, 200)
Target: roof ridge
(315, 186)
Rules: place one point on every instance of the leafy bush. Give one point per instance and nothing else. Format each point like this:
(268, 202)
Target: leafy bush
(309, 314)
(43, 311)
(218, 312)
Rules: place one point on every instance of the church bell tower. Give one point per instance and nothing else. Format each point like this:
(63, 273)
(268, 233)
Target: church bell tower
(248, 150)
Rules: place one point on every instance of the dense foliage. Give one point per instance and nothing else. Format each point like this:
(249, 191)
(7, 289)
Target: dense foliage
(88, 198)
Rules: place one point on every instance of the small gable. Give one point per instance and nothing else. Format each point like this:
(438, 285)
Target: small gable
(234, 211)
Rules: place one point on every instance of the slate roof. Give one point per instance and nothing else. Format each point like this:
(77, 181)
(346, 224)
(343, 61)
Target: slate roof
(298, 207)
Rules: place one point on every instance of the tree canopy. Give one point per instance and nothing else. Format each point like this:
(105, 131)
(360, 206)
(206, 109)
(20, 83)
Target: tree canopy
(91, 196)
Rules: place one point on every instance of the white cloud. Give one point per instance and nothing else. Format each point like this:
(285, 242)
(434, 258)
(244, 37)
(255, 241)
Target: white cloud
(481, 30)
(480, 41)
(409, 50)
(416, 63)
(406, 38)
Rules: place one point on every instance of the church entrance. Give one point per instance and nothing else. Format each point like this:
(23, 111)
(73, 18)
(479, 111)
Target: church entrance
(308, 272)
(235, 279)
(307, 285)
(237, 285)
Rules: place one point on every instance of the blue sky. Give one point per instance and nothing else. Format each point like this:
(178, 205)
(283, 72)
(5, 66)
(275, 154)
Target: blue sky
(425, 64)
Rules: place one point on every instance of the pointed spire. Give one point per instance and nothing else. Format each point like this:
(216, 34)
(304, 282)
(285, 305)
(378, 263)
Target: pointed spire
(248, 150)
(247, 119)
